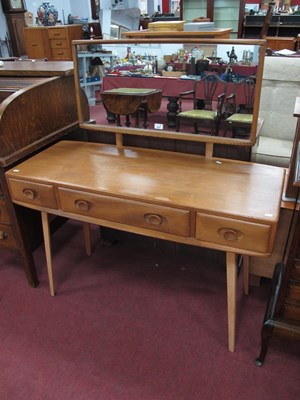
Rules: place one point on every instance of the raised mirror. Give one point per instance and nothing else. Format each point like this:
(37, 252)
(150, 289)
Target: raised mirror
(203, 90)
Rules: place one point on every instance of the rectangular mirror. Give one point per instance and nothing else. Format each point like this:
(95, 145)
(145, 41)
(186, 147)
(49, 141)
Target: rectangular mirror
(205, 90)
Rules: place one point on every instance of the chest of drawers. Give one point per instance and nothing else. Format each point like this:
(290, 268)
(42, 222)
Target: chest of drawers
(53, 42)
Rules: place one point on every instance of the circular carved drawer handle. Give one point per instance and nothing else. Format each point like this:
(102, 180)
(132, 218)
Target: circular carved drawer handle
(29, 193)
(229, 234)
(83, 205)
(154, 219)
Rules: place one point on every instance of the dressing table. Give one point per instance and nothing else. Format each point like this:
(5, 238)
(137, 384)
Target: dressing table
(198, 200)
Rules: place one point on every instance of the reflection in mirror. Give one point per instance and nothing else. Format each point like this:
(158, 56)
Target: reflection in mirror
(163, 86)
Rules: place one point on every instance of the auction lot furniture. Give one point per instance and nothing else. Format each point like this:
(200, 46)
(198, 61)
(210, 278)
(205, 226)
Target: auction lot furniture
(34, 112)
(127, 101)
(171, 88)
(221, 204)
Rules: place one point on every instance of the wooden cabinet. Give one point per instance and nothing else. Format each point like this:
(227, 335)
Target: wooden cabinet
(16, 24)
(37, 43)
(51, 42)
(282, 26)
(36, 114)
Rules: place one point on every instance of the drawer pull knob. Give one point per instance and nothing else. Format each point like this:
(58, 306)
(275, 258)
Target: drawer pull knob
(83, 205)
(3, 235)
(154, 219)
(231, 235)
(29, 193)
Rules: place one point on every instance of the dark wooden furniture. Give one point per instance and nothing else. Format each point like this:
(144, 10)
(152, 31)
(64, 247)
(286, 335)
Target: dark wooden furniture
(34, 112)
(15, 25)
(240, 120)
(213, 90)
(282, 317)
(291, 190)
(128, 101)
(171, 88)
(281, 26)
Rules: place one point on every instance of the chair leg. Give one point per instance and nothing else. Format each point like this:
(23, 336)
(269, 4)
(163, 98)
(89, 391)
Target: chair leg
(196, 127)
(137, 119)
(266, 334)
(177, 124)
(145, 110)
(127, 123)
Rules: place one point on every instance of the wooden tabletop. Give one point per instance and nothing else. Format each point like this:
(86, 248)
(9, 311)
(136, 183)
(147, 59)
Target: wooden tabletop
(37, 68)
(246, 190)
(146, 33)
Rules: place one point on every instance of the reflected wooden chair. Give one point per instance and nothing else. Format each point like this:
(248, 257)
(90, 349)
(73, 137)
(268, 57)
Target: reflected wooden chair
(208, 104)
(241, 113)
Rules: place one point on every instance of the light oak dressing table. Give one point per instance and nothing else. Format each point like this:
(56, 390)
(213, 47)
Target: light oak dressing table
(200, 200)
(223, 204)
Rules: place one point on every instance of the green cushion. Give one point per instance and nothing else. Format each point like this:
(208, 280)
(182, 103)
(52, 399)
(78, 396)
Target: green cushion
(198, 114)
(240, 118)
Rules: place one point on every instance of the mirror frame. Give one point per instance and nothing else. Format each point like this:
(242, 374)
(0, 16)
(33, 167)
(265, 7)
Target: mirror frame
(109, 128)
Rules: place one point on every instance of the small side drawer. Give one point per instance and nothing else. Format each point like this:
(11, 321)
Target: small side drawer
(233, 233)
(59, 44)
(4, 218)
(32, 193)
(61, 54)
(57, 33)
(7, 239)
(134, 213)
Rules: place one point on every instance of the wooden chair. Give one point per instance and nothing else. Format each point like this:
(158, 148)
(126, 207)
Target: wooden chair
(208, 103)
(240, 120)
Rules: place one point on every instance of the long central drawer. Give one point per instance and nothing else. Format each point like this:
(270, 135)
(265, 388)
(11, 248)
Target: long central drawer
(160, 218)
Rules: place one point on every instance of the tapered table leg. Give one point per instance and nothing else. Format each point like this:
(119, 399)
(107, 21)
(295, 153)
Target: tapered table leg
(231, 271)
(47, 243)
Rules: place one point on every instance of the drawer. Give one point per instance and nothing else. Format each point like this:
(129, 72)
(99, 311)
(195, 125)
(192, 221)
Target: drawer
(57, 33)
(291, 310)
(32, 193)
(293, 292)
(134, 213)
(7, 239)
(233, 233)
(296, 270)
(59, 44)
(4, 218)
(61, 54)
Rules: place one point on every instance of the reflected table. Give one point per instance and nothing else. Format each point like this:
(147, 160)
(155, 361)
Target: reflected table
(131, 101)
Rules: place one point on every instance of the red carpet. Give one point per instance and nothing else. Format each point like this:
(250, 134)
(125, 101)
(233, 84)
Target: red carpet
(134, 322)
